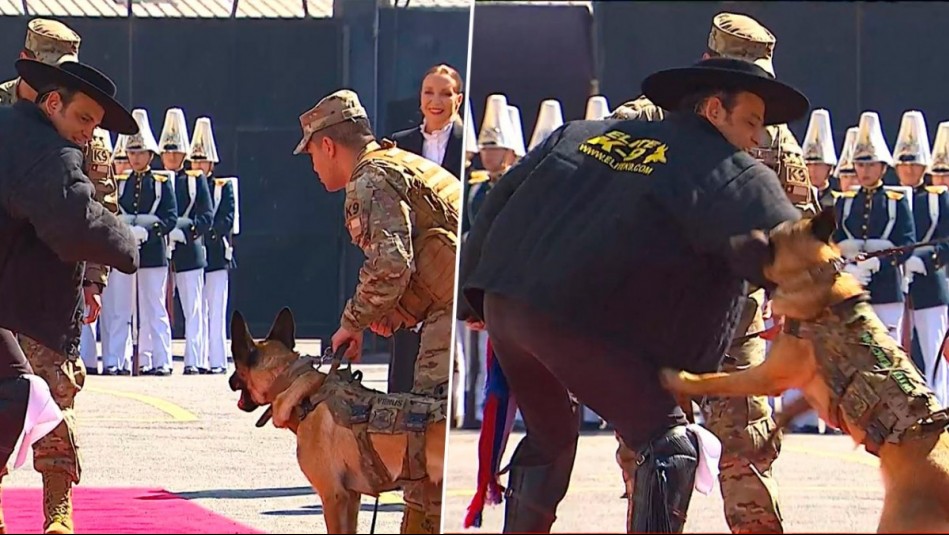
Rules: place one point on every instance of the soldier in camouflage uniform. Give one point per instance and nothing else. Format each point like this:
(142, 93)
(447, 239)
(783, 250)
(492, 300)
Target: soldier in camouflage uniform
(402, 211)
(743, 424)
(56, 456)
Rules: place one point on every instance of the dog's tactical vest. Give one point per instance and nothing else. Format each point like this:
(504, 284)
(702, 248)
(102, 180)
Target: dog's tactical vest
(434, 196)
(872, 382)
(369, 412)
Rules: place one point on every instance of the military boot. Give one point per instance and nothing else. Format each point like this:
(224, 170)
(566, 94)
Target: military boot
(57, 503)
(534, 492)
(416, 521)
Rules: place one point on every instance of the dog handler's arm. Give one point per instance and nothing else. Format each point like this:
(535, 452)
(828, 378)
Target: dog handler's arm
(494, 203)
(56, 197)
(379, 223)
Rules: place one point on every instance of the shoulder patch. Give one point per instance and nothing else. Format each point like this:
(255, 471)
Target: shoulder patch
(937, 190)
(221, 181)
(194, 172)
(622, 152)
(478, 177)
(849, 194)
(160, 177)
(894, 195)
(123, 176)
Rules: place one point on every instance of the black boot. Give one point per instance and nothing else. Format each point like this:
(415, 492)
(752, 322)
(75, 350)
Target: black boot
(659, 478)
(534, 491)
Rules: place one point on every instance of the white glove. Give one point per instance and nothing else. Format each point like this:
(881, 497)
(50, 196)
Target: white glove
(177, 235)
(140, 234)
(915, 265)
(850, 248)
(859, 272)
(871, 265)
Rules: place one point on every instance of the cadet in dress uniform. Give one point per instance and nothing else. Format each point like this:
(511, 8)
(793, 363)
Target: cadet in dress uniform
(147, 202)
(519, 150)
(939, 170)
(820, 156)
(497, 142)
(845, 172)
(115, 307)
(219, 242)
(549, 118)
(189, 257)
(597, 108)
(928, 291)
(873, 218)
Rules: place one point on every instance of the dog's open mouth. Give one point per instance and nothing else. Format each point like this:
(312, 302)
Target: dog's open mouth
(246, 403)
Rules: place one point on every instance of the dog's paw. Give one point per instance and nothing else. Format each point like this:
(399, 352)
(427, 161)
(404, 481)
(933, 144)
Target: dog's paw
(282, 408)
(674, 380)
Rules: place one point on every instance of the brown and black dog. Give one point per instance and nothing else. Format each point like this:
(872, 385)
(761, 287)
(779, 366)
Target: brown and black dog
(269, 372)
(830, 344)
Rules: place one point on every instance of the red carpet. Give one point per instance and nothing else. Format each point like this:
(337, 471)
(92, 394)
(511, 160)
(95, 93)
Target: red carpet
(118, 510)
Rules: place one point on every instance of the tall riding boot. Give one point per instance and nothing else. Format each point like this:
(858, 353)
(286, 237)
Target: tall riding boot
(659, 481)
(534, 492)
(57, 503)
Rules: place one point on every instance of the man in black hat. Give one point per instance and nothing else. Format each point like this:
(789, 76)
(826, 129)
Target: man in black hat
(50, 225)
(646, 234)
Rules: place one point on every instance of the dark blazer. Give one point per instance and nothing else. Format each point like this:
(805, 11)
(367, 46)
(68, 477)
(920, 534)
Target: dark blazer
(412, 140)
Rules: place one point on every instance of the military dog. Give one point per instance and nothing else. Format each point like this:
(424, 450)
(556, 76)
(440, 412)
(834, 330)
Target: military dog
(834, 348)
(342, 448)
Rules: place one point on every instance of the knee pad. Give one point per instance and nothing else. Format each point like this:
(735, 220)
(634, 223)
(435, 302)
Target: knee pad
(663, 483)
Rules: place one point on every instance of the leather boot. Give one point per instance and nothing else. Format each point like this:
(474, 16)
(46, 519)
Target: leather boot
(416, 521)
(534, 492)
(57, 503)
(659, 477)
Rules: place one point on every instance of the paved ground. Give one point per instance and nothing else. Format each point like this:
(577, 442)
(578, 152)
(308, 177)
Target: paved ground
(186, 434)
(826, 486)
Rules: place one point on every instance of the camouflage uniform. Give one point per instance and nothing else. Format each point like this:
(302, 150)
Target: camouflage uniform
(402, 211)
(749, 490)
(56, 456)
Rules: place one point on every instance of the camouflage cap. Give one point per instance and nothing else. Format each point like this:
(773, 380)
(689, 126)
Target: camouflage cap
(339, 107)
(742, 37)
(52, 42)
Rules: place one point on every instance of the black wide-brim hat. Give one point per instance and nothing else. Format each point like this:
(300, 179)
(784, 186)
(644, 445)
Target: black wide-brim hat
(782, 103)
(84, 79)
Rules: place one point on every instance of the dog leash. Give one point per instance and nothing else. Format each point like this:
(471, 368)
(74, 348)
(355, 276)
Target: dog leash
(375, 512)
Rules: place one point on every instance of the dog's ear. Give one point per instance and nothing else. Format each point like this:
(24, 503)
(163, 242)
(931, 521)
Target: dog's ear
(242, 343)
(283, 328)
(824, 225)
